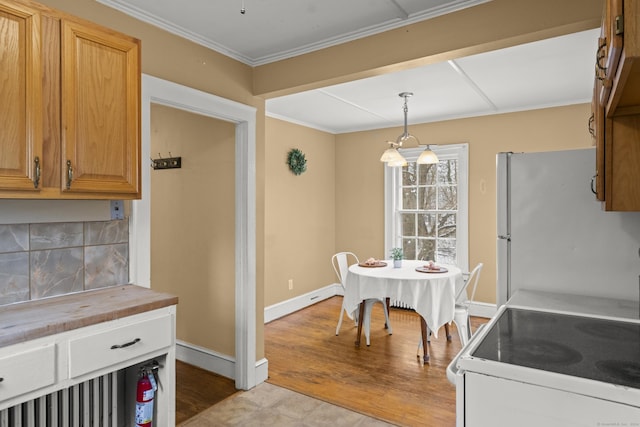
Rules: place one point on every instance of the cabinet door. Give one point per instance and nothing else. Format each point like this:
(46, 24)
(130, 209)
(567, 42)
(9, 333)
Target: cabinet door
(100, 111)
(21, 95)
(612, 43)
(622, 157)
(599, 135)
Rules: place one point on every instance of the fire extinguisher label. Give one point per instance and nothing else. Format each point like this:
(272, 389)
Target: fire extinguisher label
(144, 412)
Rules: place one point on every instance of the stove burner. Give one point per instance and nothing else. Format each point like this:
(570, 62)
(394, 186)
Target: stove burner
(611, 331)
(623, 372)
(540, 353)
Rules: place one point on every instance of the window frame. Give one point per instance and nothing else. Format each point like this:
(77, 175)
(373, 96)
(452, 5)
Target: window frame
(393, 184)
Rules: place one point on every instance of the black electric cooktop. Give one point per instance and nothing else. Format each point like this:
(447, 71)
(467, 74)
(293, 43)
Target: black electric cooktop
(587, 347)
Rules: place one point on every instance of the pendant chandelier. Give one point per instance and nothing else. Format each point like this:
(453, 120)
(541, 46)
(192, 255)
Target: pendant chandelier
(392, 156)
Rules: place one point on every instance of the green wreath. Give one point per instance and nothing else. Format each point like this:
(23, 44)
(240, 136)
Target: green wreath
(296, 161)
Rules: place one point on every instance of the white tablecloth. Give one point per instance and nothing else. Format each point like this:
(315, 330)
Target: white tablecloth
(432, 295)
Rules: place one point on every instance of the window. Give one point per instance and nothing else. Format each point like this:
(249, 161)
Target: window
(426, 206)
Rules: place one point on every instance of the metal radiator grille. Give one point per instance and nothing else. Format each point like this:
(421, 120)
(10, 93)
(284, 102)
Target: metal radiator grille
(93, 403)
(400, 304)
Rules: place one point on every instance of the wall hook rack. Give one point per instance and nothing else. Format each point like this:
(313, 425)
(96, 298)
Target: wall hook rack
(166, 162)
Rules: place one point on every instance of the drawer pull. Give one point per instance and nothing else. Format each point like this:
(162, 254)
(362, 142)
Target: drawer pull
(115, 346)
(36, 178)
(69, 174)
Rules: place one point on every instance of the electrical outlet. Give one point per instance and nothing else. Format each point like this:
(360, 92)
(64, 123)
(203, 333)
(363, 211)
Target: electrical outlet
(117, 209)
(290, 284)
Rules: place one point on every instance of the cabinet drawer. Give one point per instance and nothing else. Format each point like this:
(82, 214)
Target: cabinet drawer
(113, 346)
(27, 371)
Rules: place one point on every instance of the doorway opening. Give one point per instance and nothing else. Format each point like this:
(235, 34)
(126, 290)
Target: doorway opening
(158, 91)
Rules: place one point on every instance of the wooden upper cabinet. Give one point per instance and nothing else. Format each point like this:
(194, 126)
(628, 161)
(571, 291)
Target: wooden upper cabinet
(624, 98)
(20, 92)
(70, 108)
(100, 111)
(610, 48)
(616, 107)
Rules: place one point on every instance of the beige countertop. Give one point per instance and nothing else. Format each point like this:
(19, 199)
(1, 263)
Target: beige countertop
(39, 318)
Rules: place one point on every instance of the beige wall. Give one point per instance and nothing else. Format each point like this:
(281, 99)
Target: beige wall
(193, 224)
(300, 210)
(360, 175)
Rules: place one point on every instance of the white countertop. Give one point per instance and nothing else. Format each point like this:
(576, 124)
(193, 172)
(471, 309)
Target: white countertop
(576, 304)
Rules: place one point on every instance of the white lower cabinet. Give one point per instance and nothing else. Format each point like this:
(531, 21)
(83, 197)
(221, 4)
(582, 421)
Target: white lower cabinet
(61, 364)
(101, 350)
(499, 402)
(27, 370)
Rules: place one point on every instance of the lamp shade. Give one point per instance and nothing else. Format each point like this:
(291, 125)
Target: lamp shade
(391, 155)
(397, 163)
(427, 157)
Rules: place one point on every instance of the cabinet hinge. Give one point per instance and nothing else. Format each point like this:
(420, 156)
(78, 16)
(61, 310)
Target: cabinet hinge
(619, 23)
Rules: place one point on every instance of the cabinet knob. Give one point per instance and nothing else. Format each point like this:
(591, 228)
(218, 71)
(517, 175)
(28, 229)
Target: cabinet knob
(69, 174)
(36, 174)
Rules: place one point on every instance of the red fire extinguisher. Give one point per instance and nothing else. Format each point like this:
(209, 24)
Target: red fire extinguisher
(144, 399)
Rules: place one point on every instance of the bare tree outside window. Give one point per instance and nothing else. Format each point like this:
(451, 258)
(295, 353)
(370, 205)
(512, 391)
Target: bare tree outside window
(428, 211)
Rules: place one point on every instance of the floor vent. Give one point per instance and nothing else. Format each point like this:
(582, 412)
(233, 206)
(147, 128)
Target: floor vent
(91, 403)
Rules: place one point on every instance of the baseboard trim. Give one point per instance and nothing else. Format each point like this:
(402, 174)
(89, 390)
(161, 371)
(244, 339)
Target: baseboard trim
(207, 359)
(482, 309)
(292, 305)
(215, 362)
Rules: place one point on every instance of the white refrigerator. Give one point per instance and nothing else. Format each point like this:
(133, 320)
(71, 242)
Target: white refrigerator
(554, 236)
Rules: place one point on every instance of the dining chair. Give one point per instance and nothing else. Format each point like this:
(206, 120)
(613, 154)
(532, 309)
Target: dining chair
(463, 302)
(340, 262)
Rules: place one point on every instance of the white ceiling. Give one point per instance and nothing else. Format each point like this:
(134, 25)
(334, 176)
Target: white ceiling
(548, 73)
(271, 30)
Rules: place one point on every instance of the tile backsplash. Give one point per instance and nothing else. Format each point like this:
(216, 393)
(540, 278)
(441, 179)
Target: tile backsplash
(44, 260)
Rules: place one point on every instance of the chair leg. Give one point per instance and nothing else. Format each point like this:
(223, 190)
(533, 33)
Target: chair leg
(355, 318)
(340, 320)
(461, 320)
(462, 332)
(366, 321)
(386, 318)
(446, 330)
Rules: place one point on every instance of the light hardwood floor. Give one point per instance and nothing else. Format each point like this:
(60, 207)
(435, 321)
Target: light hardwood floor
(386, 380)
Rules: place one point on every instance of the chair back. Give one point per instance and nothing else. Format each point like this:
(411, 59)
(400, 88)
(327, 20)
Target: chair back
(340, 262)
(462, 296)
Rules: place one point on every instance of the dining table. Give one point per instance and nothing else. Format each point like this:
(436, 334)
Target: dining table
(429, 291)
